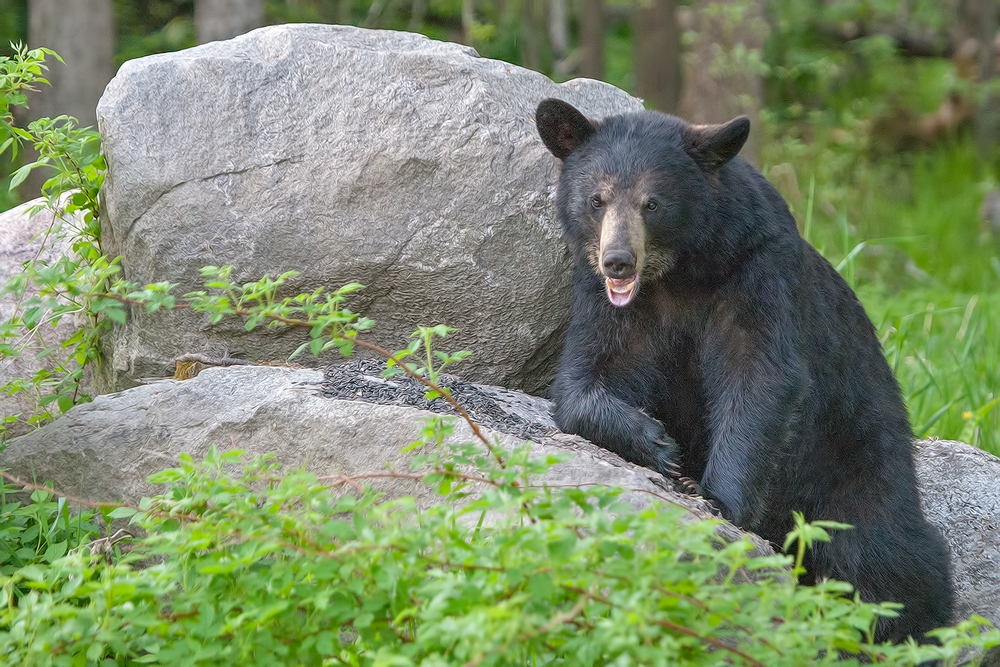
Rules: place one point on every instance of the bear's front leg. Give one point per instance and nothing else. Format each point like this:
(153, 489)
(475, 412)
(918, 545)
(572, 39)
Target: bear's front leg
(755, 382)
(584, 407)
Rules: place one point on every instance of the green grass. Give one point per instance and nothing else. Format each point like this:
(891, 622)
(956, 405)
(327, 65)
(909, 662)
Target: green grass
(931, 210)
(917, 212)
(933, 289)
(944, 348)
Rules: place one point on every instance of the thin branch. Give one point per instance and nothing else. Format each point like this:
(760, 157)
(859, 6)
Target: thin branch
(648, 492)
(431, 385)
(585, 594)
(909, 41)
(339, 480)
(213, 361)
(315, 548)
(41, 249)
(193, 518)
(717, 643)
(559, 619)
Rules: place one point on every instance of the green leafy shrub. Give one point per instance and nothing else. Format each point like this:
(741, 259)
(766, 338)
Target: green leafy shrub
(40, 531)
(48, 292)
(258, 567)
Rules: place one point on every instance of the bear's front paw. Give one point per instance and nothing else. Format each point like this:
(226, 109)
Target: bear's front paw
(667, 466)
(664, 449)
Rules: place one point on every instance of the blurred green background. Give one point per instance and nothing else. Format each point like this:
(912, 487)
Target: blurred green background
(877, 120)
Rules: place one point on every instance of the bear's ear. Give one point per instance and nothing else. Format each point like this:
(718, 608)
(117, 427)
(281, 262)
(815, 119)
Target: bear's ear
(562, 127)
(712, 146)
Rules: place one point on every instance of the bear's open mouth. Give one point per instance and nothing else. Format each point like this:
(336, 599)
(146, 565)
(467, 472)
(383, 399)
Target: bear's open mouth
(621, 291)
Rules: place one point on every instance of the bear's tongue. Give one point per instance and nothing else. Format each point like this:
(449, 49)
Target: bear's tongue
(620, 292)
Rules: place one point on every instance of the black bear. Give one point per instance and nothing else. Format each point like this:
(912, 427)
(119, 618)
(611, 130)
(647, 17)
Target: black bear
(707, 337)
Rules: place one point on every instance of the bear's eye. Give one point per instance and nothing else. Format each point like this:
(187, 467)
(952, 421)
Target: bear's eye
(652, 205)
(596, 201)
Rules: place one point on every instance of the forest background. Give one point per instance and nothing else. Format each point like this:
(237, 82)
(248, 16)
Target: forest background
(877, 120)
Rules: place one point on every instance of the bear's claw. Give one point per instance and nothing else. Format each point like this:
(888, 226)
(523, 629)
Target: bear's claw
(690, 486)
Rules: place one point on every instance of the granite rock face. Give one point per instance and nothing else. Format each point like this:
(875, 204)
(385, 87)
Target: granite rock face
(25, 237)
(349, 155)
(105, 450)
(960, 494)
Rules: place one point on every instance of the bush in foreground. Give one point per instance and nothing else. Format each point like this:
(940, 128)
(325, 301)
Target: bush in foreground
(245, 565)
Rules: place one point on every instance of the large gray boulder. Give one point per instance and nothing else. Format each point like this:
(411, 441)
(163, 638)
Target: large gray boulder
(25, 236)
(386, 158)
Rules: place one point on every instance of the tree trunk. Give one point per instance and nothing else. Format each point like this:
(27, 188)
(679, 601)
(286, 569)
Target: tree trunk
(963, 20)
(657, 48)
(592, 22)
(974, 32)
(468, 17)
(418, 12)
(225, 19)
(559, 28)
(720, 80)
(82, 33)
(986, 122)
(531, 48)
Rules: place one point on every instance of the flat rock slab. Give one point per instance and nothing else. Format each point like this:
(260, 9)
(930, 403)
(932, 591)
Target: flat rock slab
(105, 450)
(349, 155)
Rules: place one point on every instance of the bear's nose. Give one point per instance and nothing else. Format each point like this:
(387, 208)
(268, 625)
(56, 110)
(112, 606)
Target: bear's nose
(619, 264)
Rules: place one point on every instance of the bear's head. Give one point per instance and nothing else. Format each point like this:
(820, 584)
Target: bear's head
(635, 192)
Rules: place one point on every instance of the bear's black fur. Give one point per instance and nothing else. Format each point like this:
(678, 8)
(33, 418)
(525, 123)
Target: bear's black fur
(708, 337)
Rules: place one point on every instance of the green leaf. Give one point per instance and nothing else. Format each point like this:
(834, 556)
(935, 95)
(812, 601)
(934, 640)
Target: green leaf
(32, 572)
(26, 553)
(325, 642)
(350, 288)
(116, 315)
(65, 403)
(55, 551)
(562, 547)
(540, 585)
(18, 176)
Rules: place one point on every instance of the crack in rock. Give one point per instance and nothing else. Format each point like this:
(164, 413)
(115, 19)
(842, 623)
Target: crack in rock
(292, 159)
